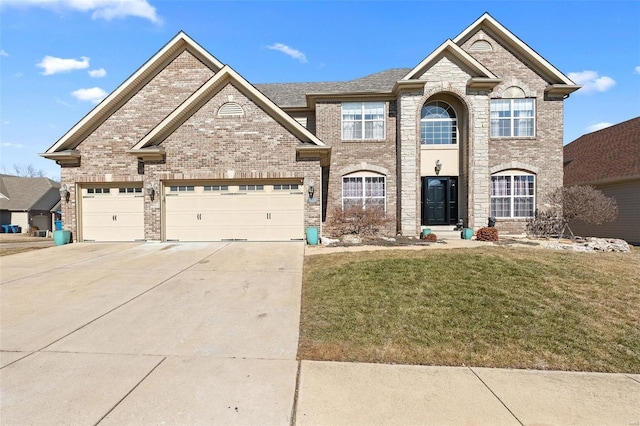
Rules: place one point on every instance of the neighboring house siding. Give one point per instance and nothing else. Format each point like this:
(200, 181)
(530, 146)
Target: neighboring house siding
(544, 151)
(627, 225)
(358, 155)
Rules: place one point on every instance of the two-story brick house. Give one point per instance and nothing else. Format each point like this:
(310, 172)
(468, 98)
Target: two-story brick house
(187, 149)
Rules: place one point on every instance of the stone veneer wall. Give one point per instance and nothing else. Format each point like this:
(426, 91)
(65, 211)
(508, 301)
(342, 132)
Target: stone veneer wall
(205, 147)
(446, 76)
(351, 156)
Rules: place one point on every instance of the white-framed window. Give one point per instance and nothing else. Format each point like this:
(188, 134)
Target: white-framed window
(366, 191)
(438, 124)
(512, 118)
(363, 121)
(513, 194)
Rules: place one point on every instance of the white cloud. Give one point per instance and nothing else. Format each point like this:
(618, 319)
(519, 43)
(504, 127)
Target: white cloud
(98, 73)
(3, 52)
(591, 81)
(53, 65)
(598, 126)
(94, 94)
(18, 75)
(637, 69)
(12, 145)
(101, 9)
(294, 53)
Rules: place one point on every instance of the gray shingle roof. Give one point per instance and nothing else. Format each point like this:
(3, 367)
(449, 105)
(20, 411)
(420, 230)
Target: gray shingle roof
(25, 193)
(294, 94)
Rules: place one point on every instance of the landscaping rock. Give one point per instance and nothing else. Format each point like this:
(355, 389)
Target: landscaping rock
(590, 245)
(329, 241)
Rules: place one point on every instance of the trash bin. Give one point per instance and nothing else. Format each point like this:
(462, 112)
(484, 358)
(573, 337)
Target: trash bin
(61, 237)
(58, 225)
(312, 235)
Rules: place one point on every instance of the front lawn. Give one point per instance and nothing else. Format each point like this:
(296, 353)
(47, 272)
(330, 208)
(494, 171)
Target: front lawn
(490, 307)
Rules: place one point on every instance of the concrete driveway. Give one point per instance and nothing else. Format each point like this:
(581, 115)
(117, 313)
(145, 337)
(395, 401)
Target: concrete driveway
(150, 333)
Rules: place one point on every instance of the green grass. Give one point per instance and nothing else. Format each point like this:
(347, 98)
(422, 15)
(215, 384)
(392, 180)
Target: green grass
(493, 307)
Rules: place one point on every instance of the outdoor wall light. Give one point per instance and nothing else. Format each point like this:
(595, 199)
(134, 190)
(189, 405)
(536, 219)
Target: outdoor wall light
(151, 191)
(64, 193)
(311, 187)
(438, 167)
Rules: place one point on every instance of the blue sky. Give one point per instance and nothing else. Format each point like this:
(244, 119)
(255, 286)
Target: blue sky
(58, 58)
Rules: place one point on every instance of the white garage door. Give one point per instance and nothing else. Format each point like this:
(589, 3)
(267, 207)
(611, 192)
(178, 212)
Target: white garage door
(251, 212)
(115, 213)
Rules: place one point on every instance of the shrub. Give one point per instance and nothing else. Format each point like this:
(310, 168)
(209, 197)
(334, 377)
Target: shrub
(430, 237)
(580, 203)
(487, 234)
(356, 220)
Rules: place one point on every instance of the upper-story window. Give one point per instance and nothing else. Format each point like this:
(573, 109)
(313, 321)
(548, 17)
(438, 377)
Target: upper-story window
(363, 120)
(512, 118)
(438, 124)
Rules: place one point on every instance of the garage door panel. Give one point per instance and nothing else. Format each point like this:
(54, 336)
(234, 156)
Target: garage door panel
(235, 215)
(112, 216)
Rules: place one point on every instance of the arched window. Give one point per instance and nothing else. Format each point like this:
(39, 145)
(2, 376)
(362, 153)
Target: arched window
(513, 194)
(438, 124)
(364, 190)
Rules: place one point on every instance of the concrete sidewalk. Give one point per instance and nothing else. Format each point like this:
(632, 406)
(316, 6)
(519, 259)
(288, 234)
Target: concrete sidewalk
(332, 393)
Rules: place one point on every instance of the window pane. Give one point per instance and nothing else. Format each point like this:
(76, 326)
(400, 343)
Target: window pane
(523, 207)
(501, 207)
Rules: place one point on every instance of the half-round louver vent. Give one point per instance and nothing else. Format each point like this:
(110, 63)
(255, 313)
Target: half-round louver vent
(230, 109)
(481, 46)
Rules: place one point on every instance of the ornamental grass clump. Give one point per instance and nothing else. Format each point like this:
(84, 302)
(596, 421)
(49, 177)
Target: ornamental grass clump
(487, 234)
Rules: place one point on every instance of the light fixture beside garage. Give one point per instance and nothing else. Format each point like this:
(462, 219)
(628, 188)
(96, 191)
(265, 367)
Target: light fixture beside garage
(64, 193)
(311, 188)
(151, 190)
(438, 167)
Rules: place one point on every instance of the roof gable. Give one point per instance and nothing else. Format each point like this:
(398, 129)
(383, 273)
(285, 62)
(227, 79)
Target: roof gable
(149, 145)
(451, 50)
(487, 23)
(66, 144)
(609, 154)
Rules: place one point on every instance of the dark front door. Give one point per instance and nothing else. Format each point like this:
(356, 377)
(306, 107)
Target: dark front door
(439, 200)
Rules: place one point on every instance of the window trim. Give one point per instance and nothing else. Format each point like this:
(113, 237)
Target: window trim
(512, 119)
(511, 174)
(363, 121)
(364, 176)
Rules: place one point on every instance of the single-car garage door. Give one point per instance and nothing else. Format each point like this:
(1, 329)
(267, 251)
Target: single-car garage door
(234, 211)
(114, 213)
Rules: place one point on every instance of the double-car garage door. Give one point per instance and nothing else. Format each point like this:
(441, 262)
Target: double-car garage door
(198, 212)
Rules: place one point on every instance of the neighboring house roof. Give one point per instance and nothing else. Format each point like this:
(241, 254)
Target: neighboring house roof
(289, 95)
(606, 155)
(28, 193)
